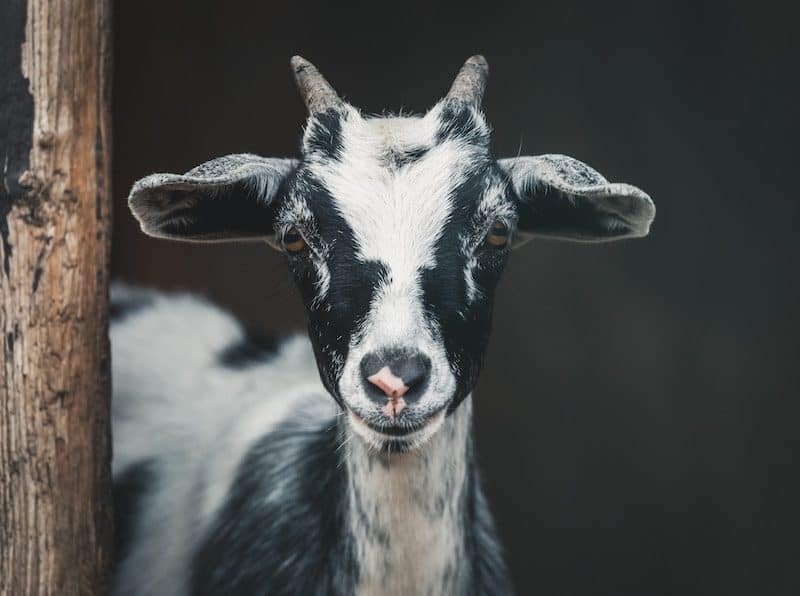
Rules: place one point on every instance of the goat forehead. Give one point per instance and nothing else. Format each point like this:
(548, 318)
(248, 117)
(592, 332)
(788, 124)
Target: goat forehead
(390, 133)
(394, 182)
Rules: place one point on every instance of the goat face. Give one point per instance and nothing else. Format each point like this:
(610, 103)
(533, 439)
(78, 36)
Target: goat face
(396, 230)
(393, 260)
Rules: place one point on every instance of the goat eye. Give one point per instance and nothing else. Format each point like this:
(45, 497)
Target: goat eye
(498, 234)
(293, 241)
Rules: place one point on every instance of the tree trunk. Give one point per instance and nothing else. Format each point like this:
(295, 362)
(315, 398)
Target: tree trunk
(55, 485)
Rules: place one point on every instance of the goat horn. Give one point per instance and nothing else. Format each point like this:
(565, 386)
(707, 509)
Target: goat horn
(470, 82)
(316, 92)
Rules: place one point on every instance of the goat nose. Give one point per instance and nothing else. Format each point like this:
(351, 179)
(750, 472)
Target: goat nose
(395, 375)
(391, 385)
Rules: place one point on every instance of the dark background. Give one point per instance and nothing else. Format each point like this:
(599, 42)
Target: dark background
(637, 416)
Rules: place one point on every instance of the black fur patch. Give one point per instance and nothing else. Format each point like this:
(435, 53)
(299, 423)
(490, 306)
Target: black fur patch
(121, 307)
(324, 135)
(295, 542)
(458, 122)
(254, 348)
(464, 326)
(129, 489)
(333, 320)
(404, 157)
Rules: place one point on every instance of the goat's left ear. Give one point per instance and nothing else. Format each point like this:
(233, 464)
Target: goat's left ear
(561, 197)
(228, 198)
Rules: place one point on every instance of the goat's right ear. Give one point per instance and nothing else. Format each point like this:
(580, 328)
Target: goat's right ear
(228, 198)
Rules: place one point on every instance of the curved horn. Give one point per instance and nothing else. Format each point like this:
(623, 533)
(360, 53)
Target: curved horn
(316, 92)
(470, 81)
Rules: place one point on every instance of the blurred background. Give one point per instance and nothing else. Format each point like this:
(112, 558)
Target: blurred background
(637, 415)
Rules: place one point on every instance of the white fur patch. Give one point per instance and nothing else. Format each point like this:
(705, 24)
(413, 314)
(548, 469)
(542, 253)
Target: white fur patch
(174, 405)
(413, 539)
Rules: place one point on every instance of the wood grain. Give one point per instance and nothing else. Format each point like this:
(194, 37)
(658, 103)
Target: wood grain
(55, 492)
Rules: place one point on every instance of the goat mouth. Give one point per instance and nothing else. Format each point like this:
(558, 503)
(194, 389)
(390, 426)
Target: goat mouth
(398, 430)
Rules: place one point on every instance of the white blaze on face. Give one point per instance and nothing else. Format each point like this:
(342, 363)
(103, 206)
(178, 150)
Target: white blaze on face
(397, 215)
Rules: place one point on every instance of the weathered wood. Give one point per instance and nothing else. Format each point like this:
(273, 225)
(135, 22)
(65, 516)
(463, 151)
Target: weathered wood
(55, 494)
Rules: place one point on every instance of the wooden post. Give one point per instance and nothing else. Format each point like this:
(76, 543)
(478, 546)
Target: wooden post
(55, 487)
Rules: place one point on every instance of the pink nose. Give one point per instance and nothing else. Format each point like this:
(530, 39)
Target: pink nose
(392, 386)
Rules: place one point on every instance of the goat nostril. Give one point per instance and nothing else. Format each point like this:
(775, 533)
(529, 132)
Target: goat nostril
(415, 378)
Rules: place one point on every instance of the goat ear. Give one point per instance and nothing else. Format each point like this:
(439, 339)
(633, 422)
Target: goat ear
(561, 197)
(228, 198)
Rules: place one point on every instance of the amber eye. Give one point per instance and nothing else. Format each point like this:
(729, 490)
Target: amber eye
(498, 234)
(293, 241)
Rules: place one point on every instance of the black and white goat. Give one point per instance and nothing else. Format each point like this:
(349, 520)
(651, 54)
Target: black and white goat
(235, 472)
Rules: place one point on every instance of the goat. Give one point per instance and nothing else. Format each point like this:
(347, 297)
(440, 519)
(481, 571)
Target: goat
(235, 473)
